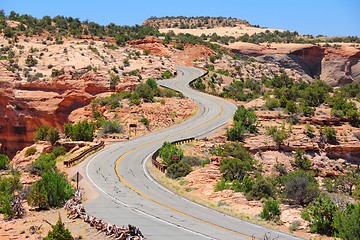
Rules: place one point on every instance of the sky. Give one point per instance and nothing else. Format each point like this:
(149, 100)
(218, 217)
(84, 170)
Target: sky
(326, 17)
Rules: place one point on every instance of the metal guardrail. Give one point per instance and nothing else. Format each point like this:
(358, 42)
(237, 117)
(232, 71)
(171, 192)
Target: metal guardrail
(71, 161)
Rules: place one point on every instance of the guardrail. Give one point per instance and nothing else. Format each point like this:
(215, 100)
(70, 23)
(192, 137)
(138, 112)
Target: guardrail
(71, 161)
(161, 166)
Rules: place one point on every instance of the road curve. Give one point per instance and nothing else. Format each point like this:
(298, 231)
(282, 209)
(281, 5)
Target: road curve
(128, 194)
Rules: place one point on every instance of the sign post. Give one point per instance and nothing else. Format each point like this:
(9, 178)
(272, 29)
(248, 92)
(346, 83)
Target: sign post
(77, 178)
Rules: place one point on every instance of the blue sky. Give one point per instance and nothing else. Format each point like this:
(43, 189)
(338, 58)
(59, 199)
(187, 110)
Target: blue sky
(327, 17)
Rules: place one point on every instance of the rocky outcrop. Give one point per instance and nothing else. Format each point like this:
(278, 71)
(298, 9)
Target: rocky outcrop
(336, 66)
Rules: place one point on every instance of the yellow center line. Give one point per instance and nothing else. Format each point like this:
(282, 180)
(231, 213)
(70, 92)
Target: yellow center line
(163, 204)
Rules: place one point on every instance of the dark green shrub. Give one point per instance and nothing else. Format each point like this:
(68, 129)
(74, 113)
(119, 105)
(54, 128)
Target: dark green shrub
(30, 151)
(222, 185)
(59, 151)
(234, 168)
(177, 170)
(247, 184)
(347, 222)
(41, 133)
(52, 190)
(236, 185)
(168, 151)
(270, 210)
(300, 187)
(320, 215)
(330, 134)
(53, 135)
(272, 104)
(261, 189)
(167, 74)
(145, 121)
(45, 162)
(4, 161)
(278, 135)
(301, 161)
(206, 161)
(59, 232)
(82, 131)
(309, 130)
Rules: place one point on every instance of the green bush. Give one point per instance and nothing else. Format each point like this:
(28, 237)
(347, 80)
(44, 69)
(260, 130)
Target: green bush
(301, 161)
(261, 189)
(206, 161)
(221, 185)
(59, 151)
(309, 130)
(330, 134)
(300, 187)
(169, 150)
(59, 232)
(278, 135)
(167, 74)
(347, 222)
(4, 161)
(8, 185)
(52, 190)
(272, 103)
(247, 184)
(45, 162)
(270, 210)
(145, 121)
(111, 127)
(192, 160)
(177, 170)
(320, 215)
(30, 151)
(82, 131)
(45, 133)
(236, 185)
(234, 168)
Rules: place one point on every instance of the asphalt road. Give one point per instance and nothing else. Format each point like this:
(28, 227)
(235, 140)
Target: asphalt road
(128, 194)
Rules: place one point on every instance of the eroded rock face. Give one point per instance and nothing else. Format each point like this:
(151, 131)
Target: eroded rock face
(336, 66)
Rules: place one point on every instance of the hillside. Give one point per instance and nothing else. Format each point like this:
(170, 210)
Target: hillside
(298, 98)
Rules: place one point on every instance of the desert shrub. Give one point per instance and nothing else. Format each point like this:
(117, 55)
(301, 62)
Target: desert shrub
(347, 222)
(294, 225)
(45, 133)
(278, 135)
(234, 168)
(270, 210)
(309, 130)
(56, 72)
(247, 184)
(192, 160)
(59, 232)
(145, 121)
(300, 187)
(198, 84)
(236, 132)
(177, 170)
(221, 185)
(320, 215)
(301, 161)
(82, 131)
(41, 133)
(30, 61)
(204, 162)
(233, 149)
(4, 161)
(45, 162)
(52, 190)
(111, 127)
(261, 188)
(330, 134)
(30, 151)
(8, 185)
(53, 135)
(281, 169)
(272, 104)
(167, 74)
(114, 79)
(236, 185)
(169, 150)
(59, 151)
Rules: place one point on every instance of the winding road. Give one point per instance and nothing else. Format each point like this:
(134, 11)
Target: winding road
(128, 194)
